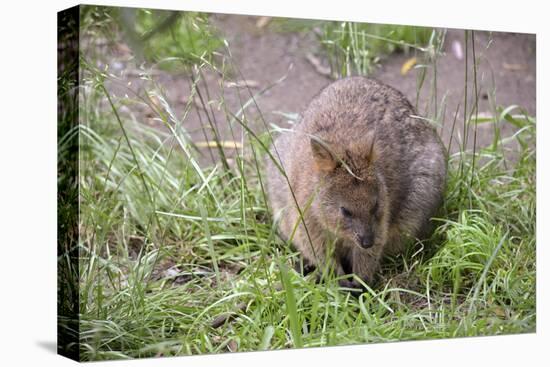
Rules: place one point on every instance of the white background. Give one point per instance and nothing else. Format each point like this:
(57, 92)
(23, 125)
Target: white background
(28, 181)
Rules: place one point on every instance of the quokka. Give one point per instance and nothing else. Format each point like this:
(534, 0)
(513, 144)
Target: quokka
(362, 174)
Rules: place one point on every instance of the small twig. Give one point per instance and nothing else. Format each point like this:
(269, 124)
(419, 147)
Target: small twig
(316, 63)
(229, 316)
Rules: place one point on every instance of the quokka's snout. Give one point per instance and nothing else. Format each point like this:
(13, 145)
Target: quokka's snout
(365, 240)
(363, 173)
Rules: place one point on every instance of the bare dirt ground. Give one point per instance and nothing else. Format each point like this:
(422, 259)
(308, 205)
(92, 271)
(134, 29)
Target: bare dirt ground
(262, 56)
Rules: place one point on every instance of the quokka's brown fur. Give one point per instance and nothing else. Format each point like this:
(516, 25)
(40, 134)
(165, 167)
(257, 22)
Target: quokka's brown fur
(397, 179)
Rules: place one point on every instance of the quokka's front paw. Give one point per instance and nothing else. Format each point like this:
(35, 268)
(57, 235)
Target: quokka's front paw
(304, 267)
(353, 286)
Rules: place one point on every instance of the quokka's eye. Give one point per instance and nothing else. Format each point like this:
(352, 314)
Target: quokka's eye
(346, 213)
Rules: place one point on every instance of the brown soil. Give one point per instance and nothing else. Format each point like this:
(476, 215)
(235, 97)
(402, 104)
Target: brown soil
(262, 56)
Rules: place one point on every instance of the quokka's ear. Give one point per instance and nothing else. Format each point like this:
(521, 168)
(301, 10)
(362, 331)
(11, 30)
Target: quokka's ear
(323, 158)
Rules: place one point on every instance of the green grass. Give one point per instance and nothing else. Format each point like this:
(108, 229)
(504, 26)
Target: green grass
(174, 40)
(179, 258)
(189, 38)
(357, 48)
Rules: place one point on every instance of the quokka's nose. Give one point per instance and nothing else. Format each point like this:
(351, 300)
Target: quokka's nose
(366, 241)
